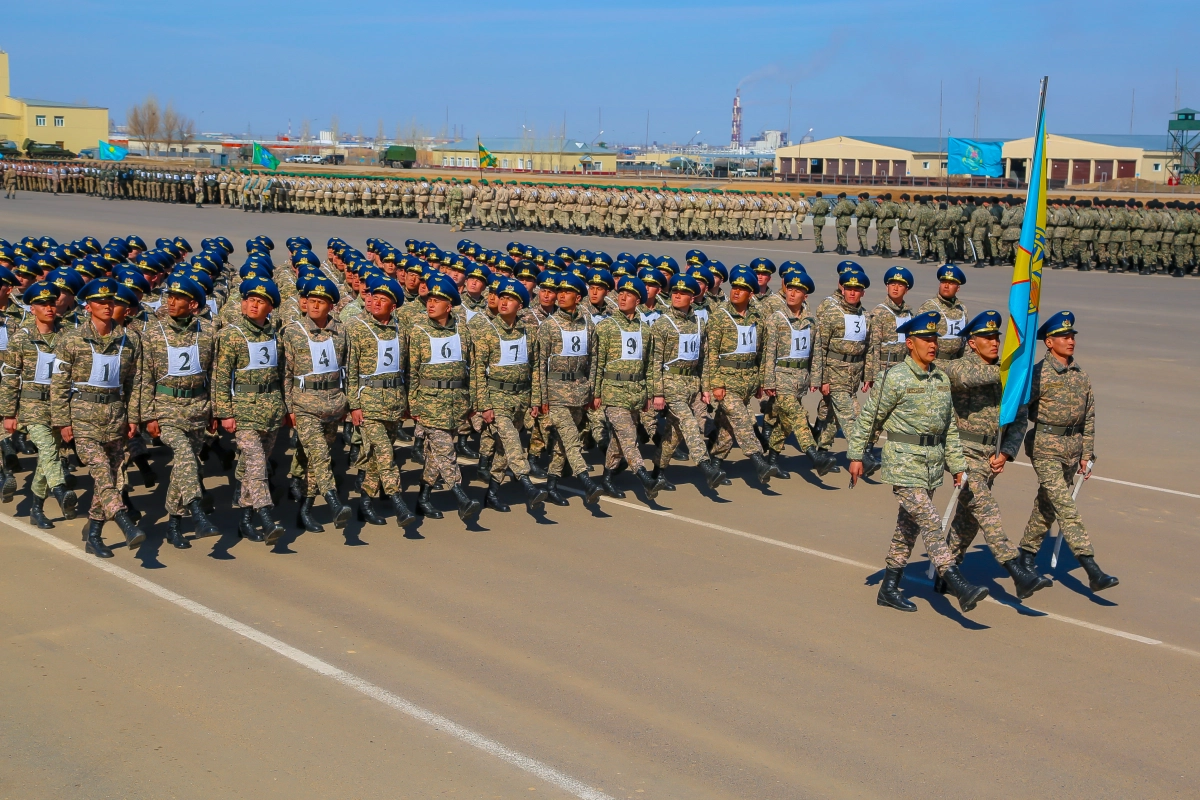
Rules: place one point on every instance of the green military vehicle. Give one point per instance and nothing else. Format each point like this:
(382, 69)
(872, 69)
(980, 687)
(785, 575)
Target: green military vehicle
(398, 156)
(9, 149)
(50, 151)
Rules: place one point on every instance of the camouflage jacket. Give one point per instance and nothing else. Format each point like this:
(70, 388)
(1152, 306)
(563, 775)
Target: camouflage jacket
(954, 321)
(502, 373)
(376, 365)
(911, 401)
(439, 371)
(183, 399)
(843, 211)
(84, 407)
(23, 379)
(619, 362)
(733, 343)
(975, 389)
(1061, 396)
(247, 375)
(885, 348)
(676, 354)
(841, 344)
(600, 312)
(309, 388)
(787, 354)
(353, 309)
(565, 344)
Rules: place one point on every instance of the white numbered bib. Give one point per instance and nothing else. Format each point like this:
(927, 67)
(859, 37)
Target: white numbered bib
(445, 350)
(183, 361)
(597, 318)
(900, 337)
(3, 337)
(702, 315)
(470, 314)
(574, 343)
(856, 328)
(324, 356)
(689, 347)
(631, 345)
(387, 356)
(954, 327)
(263, 354)
(106, 371)
(513, 352)
(650, 316)
(801, 343)
(747, 339)
(212, 306)
(153, 305)
(47, 366)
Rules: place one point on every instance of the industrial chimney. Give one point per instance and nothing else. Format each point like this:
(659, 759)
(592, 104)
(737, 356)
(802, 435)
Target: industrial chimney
(736, 137)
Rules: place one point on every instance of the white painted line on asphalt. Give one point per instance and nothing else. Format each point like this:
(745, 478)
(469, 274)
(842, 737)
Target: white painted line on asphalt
(875, 568)
(1096, 477)
(490, 746)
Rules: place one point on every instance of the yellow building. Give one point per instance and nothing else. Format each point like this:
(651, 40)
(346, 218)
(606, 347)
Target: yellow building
(529, 155)
(67, 124)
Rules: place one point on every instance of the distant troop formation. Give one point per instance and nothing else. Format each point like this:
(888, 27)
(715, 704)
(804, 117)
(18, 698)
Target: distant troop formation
(1152, 237)
(525, 362)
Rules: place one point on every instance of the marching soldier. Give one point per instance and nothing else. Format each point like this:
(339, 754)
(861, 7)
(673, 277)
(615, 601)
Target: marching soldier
(842, 212)
(952, 312)
(839, 353)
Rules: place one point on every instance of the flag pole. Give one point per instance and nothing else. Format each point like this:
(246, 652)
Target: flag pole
(479, 144)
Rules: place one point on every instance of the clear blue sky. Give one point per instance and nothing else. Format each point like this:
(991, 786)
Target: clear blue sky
(865, 67)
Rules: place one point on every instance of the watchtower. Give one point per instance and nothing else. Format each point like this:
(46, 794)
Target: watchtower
(1185, 141)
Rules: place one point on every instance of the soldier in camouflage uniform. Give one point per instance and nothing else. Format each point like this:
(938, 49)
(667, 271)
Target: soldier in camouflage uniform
(439, 397)
(839, 353)
(25, 399)
(914, 407)
(952, 311)
(842, 212)
(95, 401)
(1061, 445)
(731, 375)
(865, 211)
(975, 390)
(178, 354)
(247, 396)
(315, 350)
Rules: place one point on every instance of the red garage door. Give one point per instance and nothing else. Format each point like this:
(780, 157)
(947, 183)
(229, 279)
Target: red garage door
(1104, 171)
(864, 167)
(802, 166)
(1081, 172)
(881, 169)
(1058, 169)
(899, 169)
(848, 166)
(1126, 169)
(785, 166)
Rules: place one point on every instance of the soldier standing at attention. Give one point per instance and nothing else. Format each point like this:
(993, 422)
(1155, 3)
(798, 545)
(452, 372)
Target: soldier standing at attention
(841, 220)
(865, 211)
(95, 401)
(618, 375)
(1061, 444)
(975, 389)
(315, 350)
(179, 351)
(951, 310)
(248, 400)
(838, 355)
(25, 399)
(439, 394)
(915, 408)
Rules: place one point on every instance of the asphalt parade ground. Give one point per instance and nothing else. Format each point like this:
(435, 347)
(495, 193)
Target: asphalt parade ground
(711, 645)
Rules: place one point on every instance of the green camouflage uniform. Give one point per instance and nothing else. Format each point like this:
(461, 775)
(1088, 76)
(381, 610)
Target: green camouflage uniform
(375, 362)
(313, 392)
(838, 355)
(565, 343)
(25, 394)
(439, 395)
(786, 364)
(733, 343)
(953, 322)
(619, 379)
(841, 220)
(503, 380)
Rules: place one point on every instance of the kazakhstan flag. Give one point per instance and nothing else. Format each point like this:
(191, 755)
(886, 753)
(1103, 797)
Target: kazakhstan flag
(264, 157)
(110, 152)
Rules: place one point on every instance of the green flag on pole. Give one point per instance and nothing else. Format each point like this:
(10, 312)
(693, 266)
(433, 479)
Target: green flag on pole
(264, 157)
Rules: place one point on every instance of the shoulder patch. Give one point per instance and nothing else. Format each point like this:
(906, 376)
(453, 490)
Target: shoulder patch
(915, 390)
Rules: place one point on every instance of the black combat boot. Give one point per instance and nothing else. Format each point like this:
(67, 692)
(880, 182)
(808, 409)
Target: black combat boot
(95, 542)
(23, 445)
(552, 492)
(67, 500)
(134, 535)
(403, 435)
(773, 460)
(714, 476)
(134, 513)
(404, 514)
(340, 511)
(8, 485)
(720, 465)
(591, 490)
(890, 594)
(304, 517)
(492, 498)
(468, 509)
(11, 463)
(682, 453)
(367, 513)
(1096, 577)
(1025, 581)
(822, 460)
(246, 527)
(763, 469)
(664, 485)
(175, 536)
(36, 513)
(535, 497)
(463, 447)
(536, 470)
(149, 479)
(939, 584)
(607, 485)
(205, 527)
(295, 490)
(425, 503)
(483, 469)
(870, 463)
(1028, 561)
(418, 450)
(968, 594)
(271, 528)
(650, 484)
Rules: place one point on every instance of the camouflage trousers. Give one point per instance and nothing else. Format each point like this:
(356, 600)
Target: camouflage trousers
(978, 510)
(685, 415)
(377, 457)
(507, 451)
(836, 408)
(184, 485)
(103, 462)
(49, 471)
(791, 417)
(1054, 502)
(440, 459)
(863, 233)
(537, 434)
(565, 447)
(735, 423)
(818, 229)
(254, 447)
(917, 516)
(624, 441)
(317, 436)
(842, 239)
